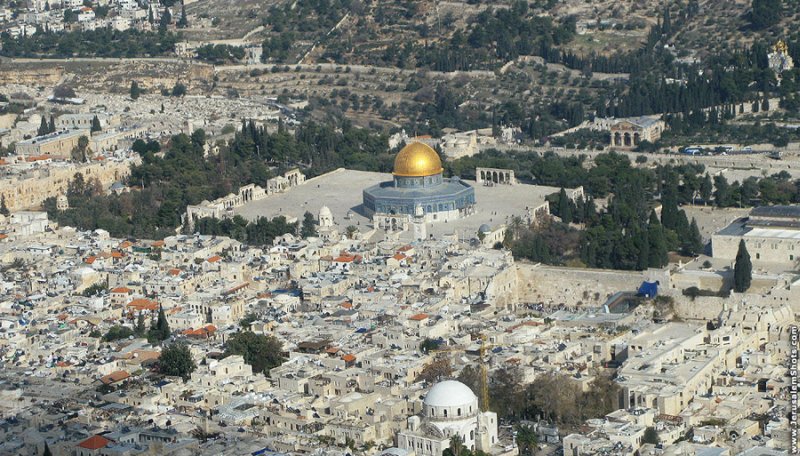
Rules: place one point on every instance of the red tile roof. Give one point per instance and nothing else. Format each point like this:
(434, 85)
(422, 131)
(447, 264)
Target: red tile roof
(214, 259)
(143, 304)
(124, 290)
(418, 317)
(349, 358)
(114, 377)
(95, 442)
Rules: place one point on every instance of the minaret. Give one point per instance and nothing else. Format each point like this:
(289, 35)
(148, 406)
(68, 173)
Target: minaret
(420, 231)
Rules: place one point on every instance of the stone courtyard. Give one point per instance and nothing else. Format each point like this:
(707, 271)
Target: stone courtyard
(340, 191)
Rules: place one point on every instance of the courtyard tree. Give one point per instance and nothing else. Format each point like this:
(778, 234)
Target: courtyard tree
(308, 228)
(176, 360)
(262, 352)
(742, 270)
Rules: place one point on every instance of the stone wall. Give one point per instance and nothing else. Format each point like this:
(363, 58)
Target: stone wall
(30, 190)
(578, 287)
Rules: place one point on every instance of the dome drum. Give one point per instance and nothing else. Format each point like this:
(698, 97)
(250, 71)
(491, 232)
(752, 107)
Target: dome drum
(418, 183)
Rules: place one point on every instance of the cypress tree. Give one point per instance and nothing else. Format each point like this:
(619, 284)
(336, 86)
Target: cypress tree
(160, 331)
(47, 451)
(140, 328)
(669, 201)
(643, 242)
(43, 128)
(3, 208)
(706, 189)
(742, 270)
(694, 243)
(135, 90)
(657, 257)
(564, 207)
(183, 22)
(96, 125)
(52, 126)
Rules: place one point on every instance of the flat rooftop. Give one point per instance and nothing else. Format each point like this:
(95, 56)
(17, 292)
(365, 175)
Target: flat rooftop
(341, 191)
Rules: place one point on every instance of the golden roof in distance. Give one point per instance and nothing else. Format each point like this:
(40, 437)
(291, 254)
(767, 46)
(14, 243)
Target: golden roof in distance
(417, 160)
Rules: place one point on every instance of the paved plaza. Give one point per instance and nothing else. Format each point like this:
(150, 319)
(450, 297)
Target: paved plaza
(341, 191)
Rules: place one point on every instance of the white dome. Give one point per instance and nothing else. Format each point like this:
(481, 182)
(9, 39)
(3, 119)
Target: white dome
(325, 212)
(450, 393)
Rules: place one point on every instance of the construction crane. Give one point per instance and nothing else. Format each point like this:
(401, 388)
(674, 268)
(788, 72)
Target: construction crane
(484, 369)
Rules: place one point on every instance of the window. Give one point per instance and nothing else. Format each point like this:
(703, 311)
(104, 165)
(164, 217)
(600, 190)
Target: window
(445, 413)
(459, 412)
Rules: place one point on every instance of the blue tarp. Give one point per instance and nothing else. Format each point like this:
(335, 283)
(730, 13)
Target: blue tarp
(648, 289)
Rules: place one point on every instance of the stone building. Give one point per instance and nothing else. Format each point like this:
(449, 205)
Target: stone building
(491, 176)
(770, 233)
(56, 145)
(418, 183)
(450, 409)
(30, 189)
(628, 133)
(223, 207)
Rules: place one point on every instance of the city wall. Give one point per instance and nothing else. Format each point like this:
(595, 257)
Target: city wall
(578, 287)
(29, 190)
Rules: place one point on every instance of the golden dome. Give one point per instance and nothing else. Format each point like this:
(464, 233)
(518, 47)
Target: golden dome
(417, 160)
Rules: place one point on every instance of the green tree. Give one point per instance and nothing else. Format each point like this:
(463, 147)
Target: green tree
(96, 125)
(141, 329)
(47, 451)
(564, 206)
(183, 22)
(81, 152)
(742, 270)
(43, 128)
(176, 360)
(160, 330)
(723, 196)
(135, 90)
(178, 90)
(117, 332)
(526, 440)
(428, 344)
(262, 352)
(456, 447)
(650, 436)
(706, 189)
(3, 207)
(309, 227)
(51, 127)
(657, 252)
(693, 243)
(765, 13)
(166, 20)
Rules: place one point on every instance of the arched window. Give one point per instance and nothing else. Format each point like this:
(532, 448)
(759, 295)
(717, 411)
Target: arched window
(445, 413)
(459, 412)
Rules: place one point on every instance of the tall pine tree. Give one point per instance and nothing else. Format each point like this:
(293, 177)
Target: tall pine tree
(657, 257)
(43, 128)
(564, 207)
(742, 270)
